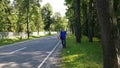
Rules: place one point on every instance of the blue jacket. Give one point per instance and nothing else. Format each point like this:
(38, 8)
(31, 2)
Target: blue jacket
(63, 34)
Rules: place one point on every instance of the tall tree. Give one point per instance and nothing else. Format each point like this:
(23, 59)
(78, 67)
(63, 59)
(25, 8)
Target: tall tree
(85, 15)
(46, 15)
(117, 11)
(20, 11)
(37, 16)
(109, 32)
(77, 20)
(90, 21)
(70, 14)
(29, 13)
(28, 18)
(5, 16)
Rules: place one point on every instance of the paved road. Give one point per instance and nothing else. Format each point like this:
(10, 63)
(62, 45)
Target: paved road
(30, 54)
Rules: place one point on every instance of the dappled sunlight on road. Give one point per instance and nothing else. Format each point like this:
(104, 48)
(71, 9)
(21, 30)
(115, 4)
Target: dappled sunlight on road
(22, 59)
(15, 65)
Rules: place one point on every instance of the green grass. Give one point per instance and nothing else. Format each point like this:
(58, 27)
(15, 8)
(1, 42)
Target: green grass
(11, 41)
(84, 55)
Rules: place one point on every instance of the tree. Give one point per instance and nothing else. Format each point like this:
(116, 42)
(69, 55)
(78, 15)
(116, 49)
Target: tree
(20, 11)
(46, 15)
(109, 32)
(88, 16)
(90, 21)
(28, 18)
(29, 14)
(85, 16)
(70, 17)
(90, 25)
(117, 11)
(37, 17)
(59, 22)
(70, 14)
(5, 16)
(77, 20)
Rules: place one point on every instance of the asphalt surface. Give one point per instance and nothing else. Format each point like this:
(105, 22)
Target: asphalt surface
(38, 53)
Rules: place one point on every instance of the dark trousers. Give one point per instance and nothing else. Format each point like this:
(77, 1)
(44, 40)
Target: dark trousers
(63, 43)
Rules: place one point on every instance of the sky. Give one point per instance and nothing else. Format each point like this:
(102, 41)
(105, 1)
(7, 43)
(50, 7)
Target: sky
(57, 6)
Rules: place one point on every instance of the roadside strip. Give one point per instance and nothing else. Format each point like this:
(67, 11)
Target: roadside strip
(48, 55)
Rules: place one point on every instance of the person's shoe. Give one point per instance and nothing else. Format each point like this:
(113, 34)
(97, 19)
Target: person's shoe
(64, 47)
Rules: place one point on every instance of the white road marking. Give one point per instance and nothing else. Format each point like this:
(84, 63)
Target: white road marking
(48, 55)
(4, 53)
(12, 52)
(17, 50)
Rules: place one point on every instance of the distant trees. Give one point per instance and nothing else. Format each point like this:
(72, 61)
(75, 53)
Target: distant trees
(19, 10)
(20, 15)
(6, 16)
(59, 22)
(52, 21)
(28, 16)
(27, 12)
(46, 15)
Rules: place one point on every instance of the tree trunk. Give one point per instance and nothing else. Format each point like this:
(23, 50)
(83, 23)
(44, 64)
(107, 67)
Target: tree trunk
(108, 32)
(90, 21)
(85, 16)
(77, 20)
(38, 27)
(28, 32)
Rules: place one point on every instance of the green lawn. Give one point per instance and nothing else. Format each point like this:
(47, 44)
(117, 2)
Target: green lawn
(11, 41)
(84, 55)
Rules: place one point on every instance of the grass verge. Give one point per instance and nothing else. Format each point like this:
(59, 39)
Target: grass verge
(83, 55)
(11, 41)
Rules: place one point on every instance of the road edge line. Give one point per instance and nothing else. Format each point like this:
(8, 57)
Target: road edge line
(40, 65)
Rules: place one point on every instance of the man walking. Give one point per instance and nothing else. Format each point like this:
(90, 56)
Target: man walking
(63, 38)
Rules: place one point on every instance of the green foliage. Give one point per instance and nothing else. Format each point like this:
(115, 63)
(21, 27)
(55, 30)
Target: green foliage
(36, 16)
(70, 14)
(5, 16)
(85, 16)
(13, 17)
(84, 55)
(59, 22)
(46, 15)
